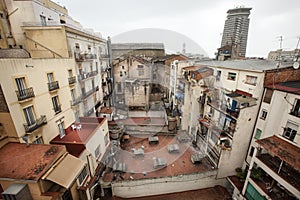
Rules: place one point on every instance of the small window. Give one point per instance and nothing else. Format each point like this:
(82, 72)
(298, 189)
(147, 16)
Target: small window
(56, 105)
(251, 151)
(141, 72)
(43, 20)
(121, 73)
(38, 141)
(290, 130)
(296, 108)
(268, 96)
(258, 134)
(89, 47)
(251, 80)
(123, 67)
(97, 151)
(70, 72)
(263, 114)
(77, 46)
(140, 66)
(231, 76)
(218, 78)
(106, 140)
(61, 129)
(82, 175)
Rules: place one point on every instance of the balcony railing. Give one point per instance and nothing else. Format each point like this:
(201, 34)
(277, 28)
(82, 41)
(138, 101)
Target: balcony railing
(89, 112)
(76, 101)
(53, 85)
(72, 80)
(84, 76)
(84, 56)
(87, 94)
(25, 94)
(285, 171)
(36, 124)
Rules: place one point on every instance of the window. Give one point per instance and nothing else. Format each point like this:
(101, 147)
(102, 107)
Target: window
(38, 141)
(123, 67)
(251, 151)
(61, 129)
(119, 87)
(56, 105)
(21, 84)
(70, 72)
(50, 77)
(140, 66)
(29, 115)
(264, 114)
(121, 74)
(43, 20)
(141, 72)
(77, 46)
(82, 175)
(154, 76)
(106, 140)
(218, 78)
(290, 130)
(251, 80)
(73, 94)
(97, 151)
(268, 96)
(231, 76)
(296, 108)
(258, 134)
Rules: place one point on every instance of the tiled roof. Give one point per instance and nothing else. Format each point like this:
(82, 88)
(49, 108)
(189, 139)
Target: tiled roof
(284, 150)
(291, 86)
(251, 65)
(14, 53)
(136, 46)
(18, 161)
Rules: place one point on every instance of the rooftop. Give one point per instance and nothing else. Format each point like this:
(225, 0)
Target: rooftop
(217, 192)
(291, 86)
(142, 166)
(136, 46)
(284, 150)
(22, 162)
(249, 65)
(140, 121)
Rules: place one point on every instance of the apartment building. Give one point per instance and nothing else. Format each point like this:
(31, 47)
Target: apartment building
(89, 141)
(39, 171)
(271, 165)
(57, 52)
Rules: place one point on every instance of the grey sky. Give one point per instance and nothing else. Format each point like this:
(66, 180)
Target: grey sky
(200, 20)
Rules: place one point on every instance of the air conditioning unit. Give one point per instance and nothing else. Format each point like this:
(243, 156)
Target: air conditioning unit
(17, 191)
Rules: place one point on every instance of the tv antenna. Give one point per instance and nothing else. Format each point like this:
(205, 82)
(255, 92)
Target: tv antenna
(296, 56)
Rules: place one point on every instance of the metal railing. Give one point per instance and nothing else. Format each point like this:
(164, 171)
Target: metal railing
(36, 124)
(53, 85)
(25, 94)
(72, 80)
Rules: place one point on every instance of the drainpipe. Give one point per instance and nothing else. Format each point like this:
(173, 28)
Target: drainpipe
(112, 100)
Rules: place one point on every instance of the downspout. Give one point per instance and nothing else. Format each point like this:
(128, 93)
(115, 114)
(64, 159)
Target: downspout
(8, 21)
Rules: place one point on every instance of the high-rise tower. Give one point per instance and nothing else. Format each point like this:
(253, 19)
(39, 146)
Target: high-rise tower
(235, 32)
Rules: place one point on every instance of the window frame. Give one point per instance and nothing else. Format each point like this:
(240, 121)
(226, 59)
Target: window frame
(231, 76)
(250, 82)
(61, 129)
(264, 114)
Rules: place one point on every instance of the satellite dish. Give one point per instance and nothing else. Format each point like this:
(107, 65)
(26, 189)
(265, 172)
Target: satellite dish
(296, 65)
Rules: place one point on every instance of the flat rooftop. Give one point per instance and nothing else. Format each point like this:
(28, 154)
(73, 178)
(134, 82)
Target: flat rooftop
(141, 167)
(22, 162)
(140, 121)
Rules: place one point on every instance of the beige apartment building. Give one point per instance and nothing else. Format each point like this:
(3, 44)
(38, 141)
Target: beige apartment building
(59, 69)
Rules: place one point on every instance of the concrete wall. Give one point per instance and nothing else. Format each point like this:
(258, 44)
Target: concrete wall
(148, 187)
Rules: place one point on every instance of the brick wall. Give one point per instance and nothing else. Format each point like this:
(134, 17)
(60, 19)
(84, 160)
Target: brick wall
(281, 75)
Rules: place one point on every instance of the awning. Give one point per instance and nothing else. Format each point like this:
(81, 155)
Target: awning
(66, 171)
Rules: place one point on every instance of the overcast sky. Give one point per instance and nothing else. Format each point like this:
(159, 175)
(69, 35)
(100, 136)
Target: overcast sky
(201, 21)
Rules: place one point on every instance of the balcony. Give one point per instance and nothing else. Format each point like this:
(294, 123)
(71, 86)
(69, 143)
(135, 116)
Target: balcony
(89, 112)
(90, 92)
(76, 101)
(282, 169)
(36, 124)
(25, 94)
(72, 80)
(84, 76)
(53, 86)
(80, 57)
